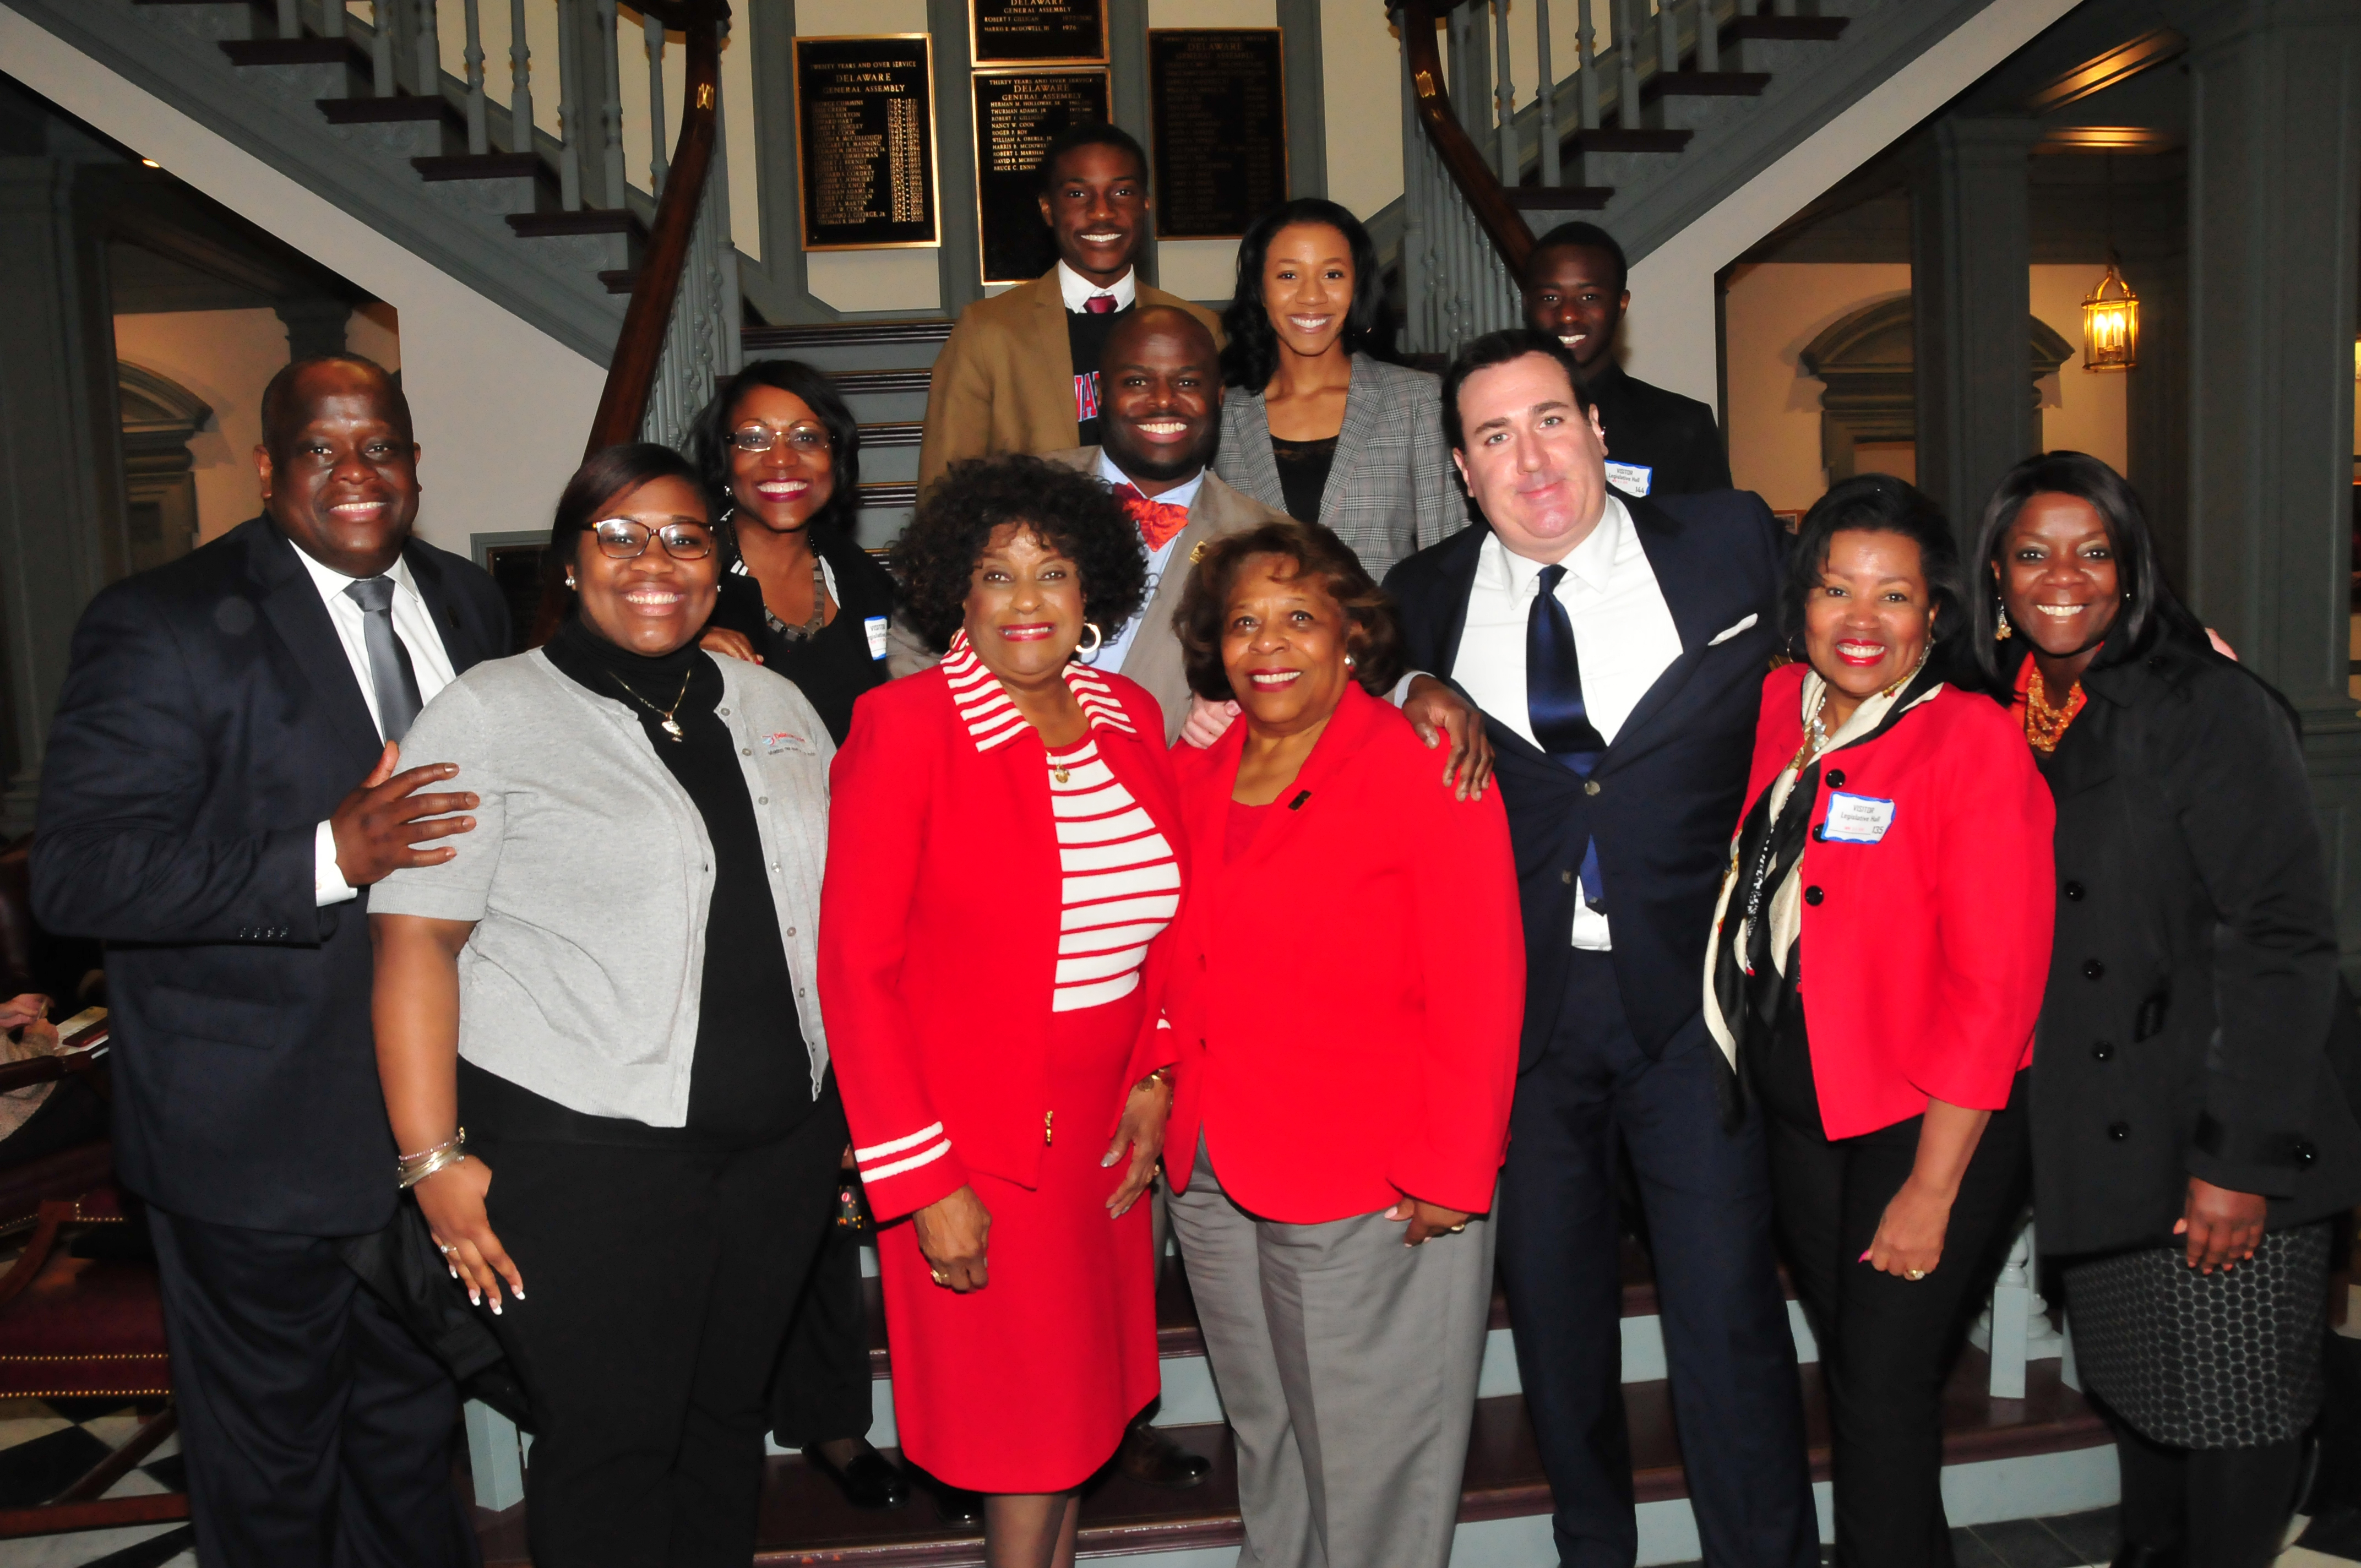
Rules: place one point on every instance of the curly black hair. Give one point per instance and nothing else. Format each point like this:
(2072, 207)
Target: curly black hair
(1067, 509)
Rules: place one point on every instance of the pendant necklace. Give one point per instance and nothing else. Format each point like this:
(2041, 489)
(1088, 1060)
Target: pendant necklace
(671, 727)
(814, 623)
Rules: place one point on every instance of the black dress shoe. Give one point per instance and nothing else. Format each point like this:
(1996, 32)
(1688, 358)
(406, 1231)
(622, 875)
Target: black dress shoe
(1148, 1455)
(957, 1505)
(2134, 1555)
(868, 1480)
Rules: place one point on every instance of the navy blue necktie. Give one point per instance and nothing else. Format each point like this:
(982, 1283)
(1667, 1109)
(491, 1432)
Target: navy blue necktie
(1554, 705)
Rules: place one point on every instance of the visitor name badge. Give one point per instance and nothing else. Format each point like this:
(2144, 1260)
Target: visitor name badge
(875, 627)
(1856, 818)
(1632, 478)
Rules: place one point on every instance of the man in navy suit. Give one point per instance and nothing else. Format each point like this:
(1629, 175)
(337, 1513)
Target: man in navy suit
(218, 794)
(1617, 646)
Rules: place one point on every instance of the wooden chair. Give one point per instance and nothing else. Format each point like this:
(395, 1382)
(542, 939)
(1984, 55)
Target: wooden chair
(81, 1328)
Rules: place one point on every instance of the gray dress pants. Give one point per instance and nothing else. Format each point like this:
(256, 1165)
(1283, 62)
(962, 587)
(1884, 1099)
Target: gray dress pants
(1346, 1363)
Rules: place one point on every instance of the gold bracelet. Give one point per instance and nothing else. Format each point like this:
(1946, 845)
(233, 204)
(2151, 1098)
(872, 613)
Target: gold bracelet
(411, 1170)
(1162, 1074)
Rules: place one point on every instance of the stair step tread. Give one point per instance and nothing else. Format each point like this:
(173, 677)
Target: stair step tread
(805, 1519)
(1801, 30)
(293, 51)
(892, 433)
(1555, 198)
(1706, 84)
(479, 166)
(380, 111)
(1611, 139)
(590, 220)
(1177, 1333)
(873, 383)
(842, 335)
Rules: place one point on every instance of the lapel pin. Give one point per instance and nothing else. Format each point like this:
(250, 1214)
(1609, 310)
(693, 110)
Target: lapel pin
(1197, 551)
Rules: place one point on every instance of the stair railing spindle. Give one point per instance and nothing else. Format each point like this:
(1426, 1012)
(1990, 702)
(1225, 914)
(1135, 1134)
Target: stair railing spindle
(1586, 61)
(1668, 37)
(569, 105)
(479, 140)
(332, 19)
(1504, 92)
(381, 48)
(519, 81)
(1415, 271)
(1708, 38)
(1549, 172)
(290, 19)
(610, 84)
(1783, 7)
(430, 51)
(653, 29)
(1748, 8)
(1627, 66)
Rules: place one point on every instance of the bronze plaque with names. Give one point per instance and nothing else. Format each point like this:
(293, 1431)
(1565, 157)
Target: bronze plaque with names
(1017, 115)
(865, 141)
(1218, 102)
(1038, 32)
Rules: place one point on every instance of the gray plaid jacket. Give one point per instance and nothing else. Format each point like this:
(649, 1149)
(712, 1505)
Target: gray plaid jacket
(1391, 491)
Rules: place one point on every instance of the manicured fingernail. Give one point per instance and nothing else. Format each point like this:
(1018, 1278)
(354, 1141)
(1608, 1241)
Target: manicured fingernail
(475, 1297)
(454, 1274)
(496, 1306)
(518, 1291)
(1865, 1256)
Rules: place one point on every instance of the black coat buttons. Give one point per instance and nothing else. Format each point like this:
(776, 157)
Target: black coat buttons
(2103, 1050)
(2074, 892)
(1836, 778)
(1813, 895)
(2119, 1131)
(2093, 969)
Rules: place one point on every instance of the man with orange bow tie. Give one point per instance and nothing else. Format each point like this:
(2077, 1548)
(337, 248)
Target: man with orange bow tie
(1159, 417)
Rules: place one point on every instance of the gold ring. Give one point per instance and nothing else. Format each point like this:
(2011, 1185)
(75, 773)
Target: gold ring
(1459, 1227)
(941, 1278)
(1914, 1273)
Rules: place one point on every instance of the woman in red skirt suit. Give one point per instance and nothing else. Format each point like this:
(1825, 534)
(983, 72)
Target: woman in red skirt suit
(1003, 867)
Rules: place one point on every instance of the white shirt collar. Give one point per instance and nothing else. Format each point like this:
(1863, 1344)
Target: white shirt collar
(1181, 495)
(332, 583)
(1076, 287)
(1593, 560)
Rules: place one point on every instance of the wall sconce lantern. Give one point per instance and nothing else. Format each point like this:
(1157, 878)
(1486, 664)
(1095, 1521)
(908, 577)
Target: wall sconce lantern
(2110, 323)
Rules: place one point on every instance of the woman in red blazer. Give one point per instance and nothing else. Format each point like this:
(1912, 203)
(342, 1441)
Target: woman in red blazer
(1349, 984)
(1890, 882)
(1004, 863)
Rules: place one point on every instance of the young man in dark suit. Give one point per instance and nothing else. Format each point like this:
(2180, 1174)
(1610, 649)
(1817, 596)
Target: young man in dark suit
(1658, 443)
(1616, 648)
(220, 791)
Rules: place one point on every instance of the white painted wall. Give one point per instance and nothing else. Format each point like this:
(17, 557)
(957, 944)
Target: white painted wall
(501, 407)
(1669, 331)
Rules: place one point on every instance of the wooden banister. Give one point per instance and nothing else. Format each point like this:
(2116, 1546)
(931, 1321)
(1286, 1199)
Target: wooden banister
(1462, 160)
(632, 374)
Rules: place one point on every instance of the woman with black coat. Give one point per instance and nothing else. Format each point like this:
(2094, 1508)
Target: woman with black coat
(2191, 1134)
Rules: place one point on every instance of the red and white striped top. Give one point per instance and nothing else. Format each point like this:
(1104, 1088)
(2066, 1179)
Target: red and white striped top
(1120, 881)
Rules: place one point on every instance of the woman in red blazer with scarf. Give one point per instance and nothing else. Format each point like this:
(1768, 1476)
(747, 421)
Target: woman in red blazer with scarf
(1891, 884)
(992, 957)
(1349, 984)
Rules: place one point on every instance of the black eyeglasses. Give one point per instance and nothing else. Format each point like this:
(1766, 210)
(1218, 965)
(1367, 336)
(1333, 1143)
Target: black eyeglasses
(620, 539)
(807, 439)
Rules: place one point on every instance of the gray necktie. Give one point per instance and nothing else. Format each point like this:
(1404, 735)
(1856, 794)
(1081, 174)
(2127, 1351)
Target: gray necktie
(389, 671)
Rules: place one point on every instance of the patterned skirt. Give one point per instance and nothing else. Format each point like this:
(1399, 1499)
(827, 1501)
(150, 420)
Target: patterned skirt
(2223, 1360)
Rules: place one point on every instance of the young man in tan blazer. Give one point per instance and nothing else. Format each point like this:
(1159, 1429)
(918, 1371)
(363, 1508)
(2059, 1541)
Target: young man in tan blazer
(1020, 370)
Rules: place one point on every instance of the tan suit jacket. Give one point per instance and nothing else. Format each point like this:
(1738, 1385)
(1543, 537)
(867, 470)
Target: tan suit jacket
(1004, 379)
(1154, 660)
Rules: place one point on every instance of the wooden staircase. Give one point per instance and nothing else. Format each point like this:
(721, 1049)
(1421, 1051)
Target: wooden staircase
(1504, 1500)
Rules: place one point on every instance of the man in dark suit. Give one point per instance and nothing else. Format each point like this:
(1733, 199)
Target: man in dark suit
(219, 793)
(1617, 646)
(1658, 443)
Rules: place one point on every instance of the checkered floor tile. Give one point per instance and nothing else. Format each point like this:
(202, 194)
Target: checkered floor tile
(45, 1445)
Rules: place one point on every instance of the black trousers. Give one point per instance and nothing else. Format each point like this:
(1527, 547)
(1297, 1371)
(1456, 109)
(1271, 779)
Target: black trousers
(1730, 1353)
(2221, 1507)
(317, 1430)
(821, 1392)
(658, 1285)
(1886, 1343)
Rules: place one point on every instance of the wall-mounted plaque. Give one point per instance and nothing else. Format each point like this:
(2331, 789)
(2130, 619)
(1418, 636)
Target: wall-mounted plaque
(1017, 115)
(1038, 32)
(1218, 102)
(865, 141)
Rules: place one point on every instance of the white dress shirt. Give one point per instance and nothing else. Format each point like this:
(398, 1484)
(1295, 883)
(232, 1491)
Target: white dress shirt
(430, 663)
(1111, 652)
(1623, 634)
(1078, 289)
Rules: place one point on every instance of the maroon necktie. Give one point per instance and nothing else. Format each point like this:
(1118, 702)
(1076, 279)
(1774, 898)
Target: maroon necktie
(1099, 304)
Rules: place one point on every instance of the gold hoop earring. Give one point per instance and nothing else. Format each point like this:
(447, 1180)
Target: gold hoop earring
(1097, 640)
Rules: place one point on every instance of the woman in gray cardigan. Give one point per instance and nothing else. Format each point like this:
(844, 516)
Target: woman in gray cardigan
(1313, 425)
(599, 1034)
